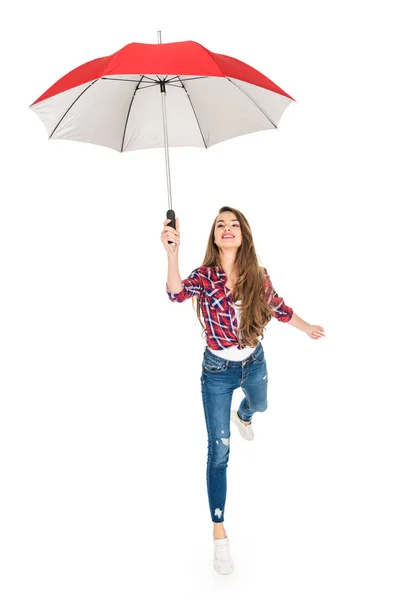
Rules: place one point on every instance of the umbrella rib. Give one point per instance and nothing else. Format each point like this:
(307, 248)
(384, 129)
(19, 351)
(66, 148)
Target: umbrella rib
(132, 80)
(68, 109)
(129, 112)
(255, 103)
(194, 112)
(155, 80)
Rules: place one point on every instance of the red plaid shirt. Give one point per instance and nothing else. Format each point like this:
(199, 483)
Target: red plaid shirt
(208, 284)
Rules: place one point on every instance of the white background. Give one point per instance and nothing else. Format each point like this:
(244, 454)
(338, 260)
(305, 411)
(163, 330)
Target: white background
(103, 438)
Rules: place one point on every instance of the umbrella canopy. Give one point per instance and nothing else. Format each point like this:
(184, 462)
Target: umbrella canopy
(114, 101)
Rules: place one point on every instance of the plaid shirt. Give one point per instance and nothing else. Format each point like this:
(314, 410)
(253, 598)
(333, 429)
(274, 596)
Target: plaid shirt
(208, 284)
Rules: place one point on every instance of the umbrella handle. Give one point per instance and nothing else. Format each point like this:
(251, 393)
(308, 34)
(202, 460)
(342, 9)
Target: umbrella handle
(171, 215)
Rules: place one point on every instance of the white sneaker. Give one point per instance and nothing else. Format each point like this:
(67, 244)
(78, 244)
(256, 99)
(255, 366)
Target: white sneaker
(246, 431)
(222, 557)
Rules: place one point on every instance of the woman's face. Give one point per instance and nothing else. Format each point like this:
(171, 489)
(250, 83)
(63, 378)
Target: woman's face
(227, 225)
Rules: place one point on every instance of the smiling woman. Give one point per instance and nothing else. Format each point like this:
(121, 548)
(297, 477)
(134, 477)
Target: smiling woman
(230, 268)
(237, 300)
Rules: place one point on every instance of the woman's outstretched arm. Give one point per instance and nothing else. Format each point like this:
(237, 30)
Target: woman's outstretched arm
(299, 323)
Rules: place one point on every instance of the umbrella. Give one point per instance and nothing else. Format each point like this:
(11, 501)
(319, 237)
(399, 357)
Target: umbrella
(114, 101)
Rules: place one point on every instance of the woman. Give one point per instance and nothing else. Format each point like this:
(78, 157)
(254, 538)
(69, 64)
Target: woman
(237, 300)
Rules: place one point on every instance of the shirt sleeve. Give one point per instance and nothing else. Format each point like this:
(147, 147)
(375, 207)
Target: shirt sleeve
(192, 286)
(280, 310)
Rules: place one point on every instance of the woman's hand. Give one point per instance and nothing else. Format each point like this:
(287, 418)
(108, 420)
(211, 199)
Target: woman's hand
(169, 233)
(315, 332)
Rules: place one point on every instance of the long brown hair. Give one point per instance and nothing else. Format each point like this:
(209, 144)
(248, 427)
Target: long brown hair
(250, 284)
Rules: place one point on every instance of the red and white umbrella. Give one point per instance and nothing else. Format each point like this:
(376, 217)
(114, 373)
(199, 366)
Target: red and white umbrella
(115, 101)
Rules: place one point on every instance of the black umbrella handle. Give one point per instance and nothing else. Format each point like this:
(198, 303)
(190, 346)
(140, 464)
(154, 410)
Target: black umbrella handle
(171, 215)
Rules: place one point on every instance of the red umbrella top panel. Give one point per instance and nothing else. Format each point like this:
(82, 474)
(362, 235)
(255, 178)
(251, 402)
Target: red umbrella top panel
(178, 58)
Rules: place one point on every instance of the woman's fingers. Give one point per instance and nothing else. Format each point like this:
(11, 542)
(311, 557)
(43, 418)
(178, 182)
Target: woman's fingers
(168, 228)
(170, 234)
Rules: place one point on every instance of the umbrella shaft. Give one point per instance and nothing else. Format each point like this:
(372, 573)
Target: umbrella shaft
(163, 94)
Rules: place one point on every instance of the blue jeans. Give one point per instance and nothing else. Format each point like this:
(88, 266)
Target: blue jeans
(219, 378)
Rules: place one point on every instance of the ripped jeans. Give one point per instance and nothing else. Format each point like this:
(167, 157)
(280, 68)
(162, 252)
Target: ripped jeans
(219, 378)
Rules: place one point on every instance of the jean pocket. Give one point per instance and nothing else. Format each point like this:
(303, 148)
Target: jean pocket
(213, 366)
